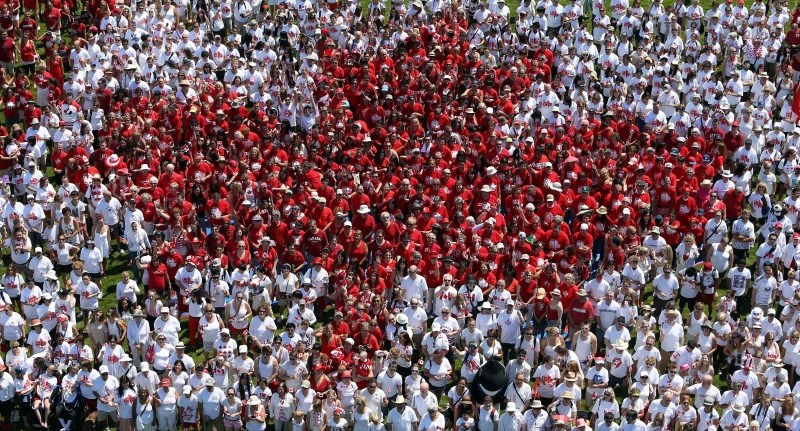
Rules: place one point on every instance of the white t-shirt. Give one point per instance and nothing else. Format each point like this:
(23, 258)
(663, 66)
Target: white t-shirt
(12, 326)
(402, 421)
(212, 401)
(739, 280)
(189, 406)
(549, 379)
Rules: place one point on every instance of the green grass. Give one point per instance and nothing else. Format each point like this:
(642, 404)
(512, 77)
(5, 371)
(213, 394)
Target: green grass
(119, 263)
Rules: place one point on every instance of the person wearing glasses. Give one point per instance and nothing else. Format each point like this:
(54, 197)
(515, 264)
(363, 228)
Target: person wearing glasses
(285, 283)
(168, 325)
(686, 414)
(293, 372)
(209, 327)
(232, 410)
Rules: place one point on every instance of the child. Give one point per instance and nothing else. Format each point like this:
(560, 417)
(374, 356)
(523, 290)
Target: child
(298, 421)
(376, 423)
(465, 422)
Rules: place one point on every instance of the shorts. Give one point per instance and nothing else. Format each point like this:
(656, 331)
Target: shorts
(232, 423)
(86, 313)
(208, 346)
(188, 426)
(706, 298)
(103, 416)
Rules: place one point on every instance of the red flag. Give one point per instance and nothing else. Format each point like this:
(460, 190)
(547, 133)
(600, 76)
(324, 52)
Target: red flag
(796, 102)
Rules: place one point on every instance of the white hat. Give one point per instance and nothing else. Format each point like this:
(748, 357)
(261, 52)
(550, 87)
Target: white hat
(486, 188)
(436, 327)
(242, 349)
(363, 209)
(727, 174)
(402, 319)
(103, 369)
(511, 407)
(165, 309)
(491, 170)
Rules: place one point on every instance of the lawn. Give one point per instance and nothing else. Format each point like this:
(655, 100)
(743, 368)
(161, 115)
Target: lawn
(118, 263)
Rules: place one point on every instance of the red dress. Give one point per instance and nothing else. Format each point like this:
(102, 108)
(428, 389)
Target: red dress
(322, 386)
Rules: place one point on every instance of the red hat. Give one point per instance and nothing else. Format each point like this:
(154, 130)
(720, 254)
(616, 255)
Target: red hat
(735, 124)
(317, 261)
(707, 266)
(196, 240)
(319, 367)
(165, 383)
(346, 375)
(779, 225)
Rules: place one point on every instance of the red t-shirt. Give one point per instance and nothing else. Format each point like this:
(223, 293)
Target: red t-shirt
(581, 312)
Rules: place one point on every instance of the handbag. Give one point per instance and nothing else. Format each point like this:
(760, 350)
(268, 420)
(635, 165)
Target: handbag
(150, 354)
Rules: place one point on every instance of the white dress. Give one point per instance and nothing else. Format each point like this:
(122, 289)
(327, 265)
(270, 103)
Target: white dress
(101, 242)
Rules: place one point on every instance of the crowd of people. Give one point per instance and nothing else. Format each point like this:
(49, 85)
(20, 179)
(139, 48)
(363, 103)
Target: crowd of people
(440, 215)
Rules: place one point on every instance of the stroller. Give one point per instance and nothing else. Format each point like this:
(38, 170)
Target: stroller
(64, 415)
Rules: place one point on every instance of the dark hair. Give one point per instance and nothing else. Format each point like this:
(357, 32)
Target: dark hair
(246, 389)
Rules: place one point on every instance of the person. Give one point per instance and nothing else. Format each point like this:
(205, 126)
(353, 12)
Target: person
(281, 407)
(256, 414)
(166, 400)
(511, 419)
(372, 162)
(210, 402)
(104, 387)
(232, 410)
(188, 408)
(144, 412)
(433, 419)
